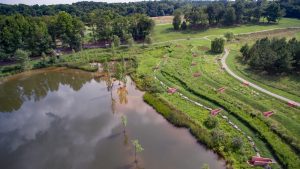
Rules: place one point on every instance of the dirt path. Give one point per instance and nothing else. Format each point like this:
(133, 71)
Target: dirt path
(223, 61)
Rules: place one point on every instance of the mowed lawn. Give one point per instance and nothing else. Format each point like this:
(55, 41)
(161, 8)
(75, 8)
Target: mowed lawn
(166, 32)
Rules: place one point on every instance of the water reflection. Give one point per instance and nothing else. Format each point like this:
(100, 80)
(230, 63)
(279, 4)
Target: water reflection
(122, 92)
(35, 85)
(71, 125)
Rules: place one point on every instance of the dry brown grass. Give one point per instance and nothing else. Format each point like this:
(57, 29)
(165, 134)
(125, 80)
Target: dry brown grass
(289, 32)
(163, 19)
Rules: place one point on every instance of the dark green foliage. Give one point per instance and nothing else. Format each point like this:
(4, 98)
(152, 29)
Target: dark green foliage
(245, 51)
(183, 25)
(67, 29)
(109, 23)
(215, 13)
(211, 122)
(272, 56)
(273, 12)
(217, 45)
(177, 20)
(81, 9)
(291, 8)
(237, 143)
(196, 17)
(229, 16)
(239, 8)
(19, 32)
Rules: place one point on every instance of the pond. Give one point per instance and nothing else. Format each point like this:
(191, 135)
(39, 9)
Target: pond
(61, 118)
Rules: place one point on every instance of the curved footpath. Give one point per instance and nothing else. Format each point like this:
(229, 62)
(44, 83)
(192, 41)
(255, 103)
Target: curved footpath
(223, 61)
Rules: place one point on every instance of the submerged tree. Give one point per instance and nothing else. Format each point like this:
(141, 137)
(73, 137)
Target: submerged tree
(205, 166)
(124, 122)
(137, 148)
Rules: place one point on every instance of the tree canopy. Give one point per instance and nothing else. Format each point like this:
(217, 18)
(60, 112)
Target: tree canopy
(273, 56)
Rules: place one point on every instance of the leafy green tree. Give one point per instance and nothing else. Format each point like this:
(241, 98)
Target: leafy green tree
(272, 56)
(68, 29)
(229, 16)
(177, 20)
(273, 12)
(217, 45)
(141, 26)
(196, 16)
(116, 41)
(137, 148)
(23, 58)
(294, 47)
(239, 8)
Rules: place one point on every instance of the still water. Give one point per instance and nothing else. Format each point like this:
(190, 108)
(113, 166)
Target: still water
(60, 118)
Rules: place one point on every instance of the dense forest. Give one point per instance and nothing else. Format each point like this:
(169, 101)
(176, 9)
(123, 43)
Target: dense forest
(273, 56)
(40, 35)
(81, 9)
(220, 13)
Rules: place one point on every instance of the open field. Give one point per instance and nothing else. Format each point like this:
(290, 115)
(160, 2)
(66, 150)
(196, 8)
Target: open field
(166, 32)
(275, 137)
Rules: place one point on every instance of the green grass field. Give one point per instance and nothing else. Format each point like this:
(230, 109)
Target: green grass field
(166, 32)
(239, 100)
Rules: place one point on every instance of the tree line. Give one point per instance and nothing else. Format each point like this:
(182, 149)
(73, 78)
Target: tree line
(107, 24)
(150, 8)
(81, 9)
(227, 13)
(40, 35)
(273, 55)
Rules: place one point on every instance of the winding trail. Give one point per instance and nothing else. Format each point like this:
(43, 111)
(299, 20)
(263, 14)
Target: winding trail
(225, 66)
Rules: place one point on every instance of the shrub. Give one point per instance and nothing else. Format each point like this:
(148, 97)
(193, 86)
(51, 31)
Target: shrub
(211, 122)
(217, 137)
(229, 36)
(23, 57)
(217, 45)
(237, 143)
